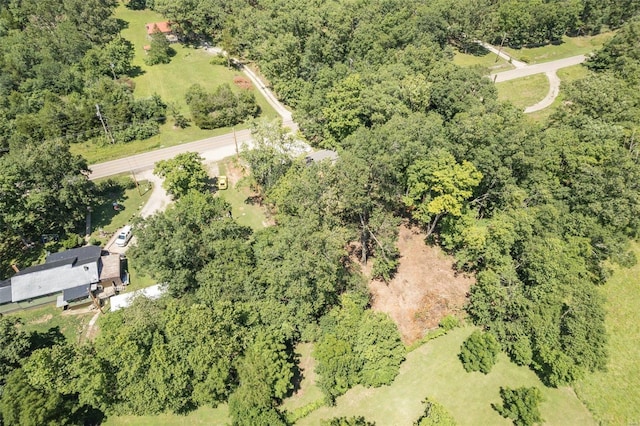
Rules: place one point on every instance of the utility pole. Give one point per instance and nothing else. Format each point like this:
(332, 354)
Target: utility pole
(236, 141)
(104, 126)
(136, 181)
(504, 36)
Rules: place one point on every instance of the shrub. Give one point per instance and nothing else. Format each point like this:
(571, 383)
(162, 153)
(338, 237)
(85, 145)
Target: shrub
(72, 241)
(95, 242)
(449, 322)
(520, 405)
(220, 108)
(479, 352)
(435, 415)
(348, 421)
(218, 60)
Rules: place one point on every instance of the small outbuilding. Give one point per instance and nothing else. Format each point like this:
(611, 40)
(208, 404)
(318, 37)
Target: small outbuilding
(323, 154)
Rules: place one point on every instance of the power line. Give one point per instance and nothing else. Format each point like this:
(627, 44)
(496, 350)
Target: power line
(104, 126)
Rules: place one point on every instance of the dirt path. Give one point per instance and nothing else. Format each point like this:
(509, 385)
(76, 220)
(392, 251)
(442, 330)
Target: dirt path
(424, 290)
(92, 331)
(501, 53)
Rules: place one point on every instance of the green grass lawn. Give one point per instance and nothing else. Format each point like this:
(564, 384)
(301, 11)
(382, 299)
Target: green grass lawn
(171, 81)
(239, 195)
(308, 392)
(202, 416)
(433, 370)
(105, 218)
(485, 59)
(525, 91)
(567, 75)
(614, 396)
(570, 46)
(48, 317)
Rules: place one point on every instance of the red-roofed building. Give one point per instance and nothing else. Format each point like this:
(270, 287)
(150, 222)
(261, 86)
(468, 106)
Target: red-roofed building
(163, 27)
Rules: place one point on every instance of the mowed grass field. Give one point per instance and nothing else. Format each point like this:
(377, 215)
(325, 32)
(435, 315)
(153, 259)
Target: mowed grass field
(614, 396)
(171, 81)
(570, 46)
(566, 75)
(484, 59)
(525, 91)
(240, 196)
(205, 416)
(434, 370)
(47, 317)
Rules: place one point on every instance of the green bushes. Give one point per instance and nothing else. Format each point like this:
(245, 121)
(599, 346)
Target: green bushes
(358, 347)
(221, 108)
(435, 415)
(479, 352)
(160, 51)
(520, 405)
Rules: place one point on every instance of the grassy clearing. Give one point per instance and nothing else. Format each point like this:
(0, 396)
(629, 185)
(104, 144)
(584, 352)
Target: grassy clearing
(484, 59)
(171, 81)
(434, 370)
(308, 392)
(525, 91)
(614, 396)
(104, 218)
(567, 75)
(570, 46)
(202, 416)
(48, 317)
(241, 197)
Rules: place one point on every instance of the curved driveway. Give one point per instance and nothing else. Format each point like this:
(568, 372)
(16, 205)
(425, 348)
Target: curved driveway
(548, 68)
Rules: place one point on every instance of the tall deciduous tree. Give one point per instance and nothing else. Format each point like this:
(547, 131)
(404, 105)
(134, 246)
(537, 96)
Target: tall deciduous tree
(160, 50)
(182, 174)
(43, 189)
(272, 153)
(438, 185)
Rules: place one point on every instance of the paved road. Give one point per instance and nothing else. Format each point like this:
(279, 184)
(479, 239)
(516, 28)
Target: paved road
(544, 67)
(212, 149)
(215, 148)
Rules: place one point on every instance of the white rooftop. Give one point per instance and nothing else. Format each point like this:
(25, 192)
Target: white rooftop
(125, 300)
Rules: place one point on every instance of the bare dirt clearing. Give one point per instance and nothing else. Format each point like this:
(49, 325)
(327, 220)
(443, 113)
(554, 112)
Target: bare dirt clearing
(425, 289)
(242, 82)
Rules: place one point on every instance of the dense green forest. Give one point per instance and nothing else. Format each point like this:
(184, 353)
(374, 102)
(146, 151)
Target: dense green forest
(533, 210)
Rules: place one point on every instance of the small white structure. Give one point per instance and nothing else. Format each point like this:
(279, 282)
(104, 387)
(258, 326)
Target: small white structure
(125, 300)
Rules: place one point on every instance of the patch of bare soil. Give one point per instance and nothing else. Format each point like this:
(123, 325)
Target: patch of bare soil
(235, 172)
(425, 289)
(242, 82)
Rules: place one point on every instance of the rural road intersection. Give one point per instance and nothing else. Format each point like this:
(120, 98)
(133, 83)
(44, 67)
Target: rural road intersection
(219, 147)
(524, 70)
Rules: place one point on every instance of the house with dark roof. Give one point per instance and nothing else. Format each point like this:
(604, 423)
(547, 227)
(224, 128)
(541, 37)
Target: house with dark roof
(74, 273)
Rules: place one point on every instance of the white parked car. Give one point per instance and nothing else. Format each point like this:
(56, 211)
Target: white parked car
(124, 236)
